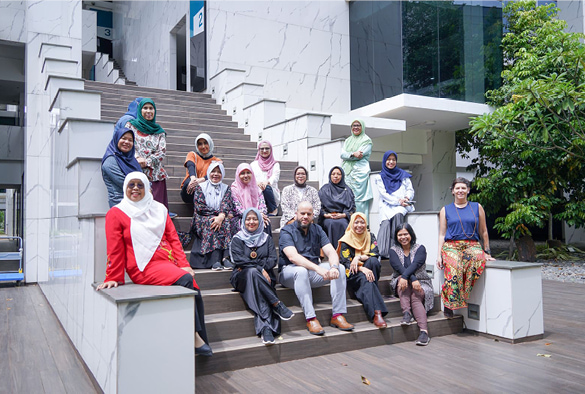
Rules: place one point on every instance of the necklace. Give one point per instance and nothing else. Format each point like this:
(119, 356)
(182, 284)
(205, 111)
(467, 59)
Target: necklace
(253, 254)
(474, 220)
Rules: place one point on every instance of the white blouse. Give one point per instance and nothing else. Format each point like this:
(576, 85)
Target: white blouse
(262, 176)
(389, 203)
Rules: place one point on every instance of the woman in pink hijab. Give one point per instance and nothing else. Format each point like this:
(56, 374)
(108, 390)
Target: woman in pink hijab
(246, 194)
(267, 172)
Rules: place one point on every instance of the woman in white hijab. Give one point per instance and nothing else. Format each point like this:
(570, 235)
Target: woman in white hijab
(142, 239)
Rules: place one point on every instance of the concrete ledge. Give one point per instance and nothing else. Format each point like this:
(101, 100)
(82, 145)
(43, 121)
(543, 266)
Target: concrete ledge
(132, 292)
(151, 337)
(510, 265)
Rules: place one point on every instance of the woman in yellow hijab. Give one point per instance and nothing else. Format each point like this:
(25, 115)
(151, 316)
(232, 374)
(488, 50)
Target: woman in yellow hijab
(358, 252)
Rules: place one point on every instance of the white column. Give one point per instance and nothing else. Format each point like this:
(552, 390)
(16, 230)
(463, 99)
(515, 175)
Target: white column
(47, 22)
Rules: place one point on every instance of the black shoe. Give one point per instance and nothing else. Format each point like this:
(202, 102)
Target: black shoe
(407, 319)
(423, 339)
(204, 350)
(267, 336)
(216, 266)
(448, 313)
(227, 265)
(282, 311)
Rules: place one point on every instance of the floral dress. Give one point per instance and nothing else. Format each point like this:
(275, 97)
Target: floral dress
(152, 148)
(201, 224)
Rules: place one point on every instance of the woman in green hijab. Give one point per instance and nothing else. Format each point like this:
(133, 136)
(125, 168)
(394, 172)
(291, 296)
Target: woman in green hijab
(356, 153)
(151, 148)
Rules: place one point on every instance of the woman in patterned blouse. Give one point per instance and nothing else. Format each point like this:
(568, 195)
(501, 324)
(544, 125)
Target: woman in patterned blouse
(151, 148)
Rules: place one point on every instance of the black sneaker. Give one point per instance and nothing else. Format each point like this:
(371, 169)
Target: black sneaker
(448, 313)
(407, 319)
(423, 339)
(227, 265)
(282, 311)
(267, 336)
(216, 266)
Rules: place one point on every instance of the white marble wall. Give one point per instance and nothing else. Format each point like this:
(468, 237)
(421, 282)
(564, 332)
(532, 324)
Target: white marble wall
(89, 32)
(142, 42)
(573, 11)
(57, 23)
(509, 295)
(13, 21)
(299, 50)
(432, 179)
(292, 138)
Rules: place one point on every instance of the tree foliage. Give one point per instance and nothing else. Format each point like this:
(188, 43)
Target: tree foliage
(531, 148)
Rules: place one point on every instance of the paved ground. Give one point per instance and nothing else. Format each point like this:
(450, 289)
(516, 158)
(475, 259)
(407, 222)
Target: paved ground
(36, 357)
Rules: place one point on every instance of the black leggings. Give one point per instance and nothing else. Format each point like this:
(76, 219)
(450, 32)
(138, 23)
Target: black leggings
(187, 281)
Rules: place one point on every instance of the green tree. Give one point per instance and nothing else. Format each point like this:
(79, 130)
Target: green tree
(531, 148)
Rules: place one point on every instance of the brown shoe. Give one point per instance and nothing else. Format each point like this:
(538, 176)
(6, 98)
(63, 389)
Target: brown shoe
(314, 327)
(341, 323)
(379, 320)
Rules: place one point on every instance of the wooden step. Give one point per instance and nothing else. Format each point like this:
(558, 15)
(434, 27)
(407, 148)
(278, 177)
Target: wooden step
(249, 351)
(226, 300)
(232, 325)
(212, 280)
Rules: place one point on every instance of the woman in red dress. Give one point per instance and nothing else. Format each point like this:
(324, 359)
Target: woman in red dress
(142, 239)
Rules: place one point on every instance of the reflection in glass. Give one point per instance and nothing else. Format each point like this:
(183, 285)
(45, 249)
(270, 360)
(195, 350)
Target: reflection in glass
(447, 49)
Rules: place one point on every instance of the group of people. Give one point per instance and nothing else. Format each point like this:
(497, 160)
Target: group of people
(324, 235)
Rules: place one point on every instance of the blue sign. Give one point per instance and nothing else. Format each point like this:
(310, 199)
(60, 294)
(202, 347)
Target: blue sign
(197, 16)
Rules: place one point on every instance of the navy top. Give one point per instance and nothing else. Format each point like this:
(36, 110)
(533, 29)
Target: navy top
(462, 223)
(309, 246)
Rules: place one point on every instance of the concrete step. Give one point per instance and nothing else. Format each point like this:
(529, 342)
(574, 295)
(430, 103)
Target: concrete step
(138, 90)
(180, 143)
(191, 115)
(249, 351)
(185, 119)
(126, 98)
(114, 107)
(230, 165)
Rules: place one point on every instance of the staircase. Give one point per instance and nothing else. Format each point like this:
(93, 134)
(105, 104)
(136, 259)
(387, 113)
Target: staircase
(230, 326)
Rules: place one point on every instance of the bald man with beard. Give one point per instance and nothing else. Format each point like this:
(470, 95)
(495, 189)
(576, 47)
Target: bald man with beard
(300, 268)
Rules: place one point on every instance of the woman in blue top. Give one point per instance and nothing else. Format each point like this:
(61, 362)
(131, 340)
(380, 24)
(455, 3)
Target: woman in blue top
(118, 161)
(461, 225)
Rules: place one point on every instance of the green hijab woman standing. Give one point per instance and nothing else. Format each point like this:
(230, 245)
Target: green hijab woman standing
(356, 153)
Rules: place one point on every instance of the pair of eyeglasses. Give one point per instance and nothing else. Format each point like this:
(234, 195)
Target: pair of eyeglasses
(132, 185)
(264, 148)
(356, 126)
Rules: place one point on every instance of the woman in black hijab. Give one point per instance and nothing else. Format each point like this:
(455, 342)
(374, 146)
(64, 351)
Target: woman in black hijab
(337, 205)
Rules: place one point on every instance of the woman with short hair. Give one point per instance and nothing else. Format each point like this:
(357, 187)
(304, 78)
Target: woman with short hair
(461, 226)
